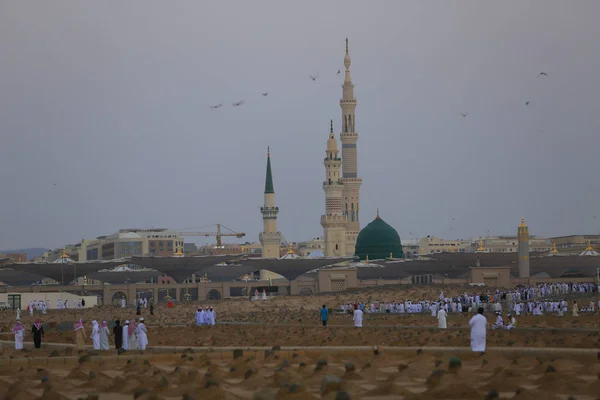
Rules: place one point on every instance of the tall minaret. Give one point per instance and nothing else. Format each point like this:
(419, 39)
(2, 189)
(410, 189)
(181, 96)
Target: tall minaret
(333, 221)
(269, 238)
(350, 180)
(523, 237)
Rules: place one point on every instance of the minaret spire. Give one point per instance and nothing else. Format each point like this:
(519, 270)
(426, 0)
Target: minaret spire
(269, 178)
(270, 238)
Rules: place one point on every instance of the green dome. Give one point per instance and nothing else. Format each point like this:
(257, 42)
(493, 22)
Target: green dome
(377, 241)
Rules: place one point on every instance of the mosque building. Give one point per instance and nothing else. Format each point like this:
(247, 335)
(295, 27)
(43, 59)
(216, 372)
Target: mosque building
(341, 224)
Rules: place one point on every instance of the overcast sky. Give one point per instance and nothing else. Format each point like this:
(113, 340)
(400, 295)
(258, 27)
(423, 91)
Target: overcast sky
(105, 120)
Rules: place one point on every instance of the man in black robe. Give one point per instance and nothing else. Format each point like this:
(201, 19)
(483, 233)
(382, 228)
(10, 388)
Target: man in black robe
(38, 333)
(118, 332)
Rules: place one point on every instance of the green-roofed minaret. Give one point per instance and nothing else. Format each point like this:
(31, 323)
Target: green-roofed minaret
(269, 237)
(269, 180)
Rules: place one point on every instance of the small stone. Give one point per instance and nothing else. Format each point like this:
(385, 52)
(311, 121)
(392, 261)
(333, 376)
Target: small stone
(92, 375)
(419, 351)
(210, 383)
(164, 382)
(330, 383)
(454, 364)
(402, 367)
(320, 365)
(437, 363)
(232, 370)
(342, 396)
(249, 372)
(349, 367)
(146, 362)
(237, 353)
(295, 388)
(492, 395)
(53, 354)
(84, 359)
(190, 358)
(550, 369)
(434, 379)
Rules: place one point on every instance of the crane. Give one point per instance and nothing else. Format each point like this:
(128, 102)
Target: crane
(217, 234)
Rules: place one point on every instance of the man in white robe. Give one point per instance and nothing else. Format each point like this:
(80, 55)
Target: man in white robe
(264, 295)
(126, 336)
(211, 316)
(198, 317)
(123, 303)
(142, 334)
(478, 326)
(95, 336)
(19, 331)
(441, 317)
(499, 324)
(358, 318)
(433, 309)
(512, 322)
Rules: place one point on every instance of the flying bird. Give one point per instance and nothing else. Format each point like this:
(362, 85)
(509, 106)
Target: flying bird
(339, 71)
(314, 78)
(464, 115)
(542, 74)
(265, 94)
(527, 103)
(239, 103)
(217, 106)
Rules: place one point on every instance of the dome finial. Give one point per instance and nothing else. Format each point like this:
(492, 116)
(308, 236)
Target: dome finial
(377, 212)
(268, 151)
(330, 126)
(346, 44)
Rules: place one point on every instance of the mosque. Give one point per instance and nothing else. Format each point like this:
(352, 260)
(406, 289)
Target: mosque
(341, 224)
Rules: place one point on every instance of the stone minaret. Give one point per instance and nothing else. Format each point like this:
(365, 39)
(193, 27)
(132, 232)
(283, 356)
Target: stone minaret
(269, 238)
(333, 221)
(523, 236)
(350, 180)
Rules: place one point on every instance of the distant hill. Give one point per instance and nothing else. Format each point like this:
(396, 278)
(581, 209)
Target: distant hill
(31, 252)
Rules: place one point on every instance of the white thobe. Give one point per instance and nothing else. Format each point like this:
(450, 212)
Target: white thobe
(198, 318)
(126, 337)
(96, 337)
(123, 303)
(142, 336)
(211, 317)
(478, 326)
(358, 318)
(441, 317)
(19, 335)
(433, 310)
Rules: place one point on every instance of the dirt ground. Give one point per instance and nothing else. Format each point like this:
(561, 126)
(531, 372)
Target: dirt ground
(346, 374)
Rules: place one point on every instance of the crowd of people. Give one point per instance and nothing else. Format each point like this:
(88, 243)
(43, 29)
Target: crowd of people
(44, 306)
(534, 300)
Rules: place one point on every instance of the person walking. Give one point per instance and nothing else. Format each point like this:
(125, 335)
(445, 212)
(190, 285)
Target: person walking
(118, 332)
(324, 315)
(38, 333)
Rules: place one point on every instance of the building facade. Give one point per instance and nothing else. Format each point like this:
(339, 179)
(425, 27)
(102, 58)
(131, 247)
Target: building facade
(270, 238)
(341, 223)
(434, 244)
(131, 242)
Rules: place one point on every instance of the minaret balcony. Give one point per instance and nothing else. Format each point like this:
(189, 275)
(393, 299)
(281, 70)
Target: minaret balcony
(333, 183)
(332, 159)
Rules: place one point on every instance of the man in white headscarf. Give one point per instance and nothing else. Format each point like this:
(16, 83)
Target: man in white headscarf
(212, 316)
(95, 335)
(478, 326)
(441, 317)
(142, 335)
(125, 344)
(19, 331)
(358, 318)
